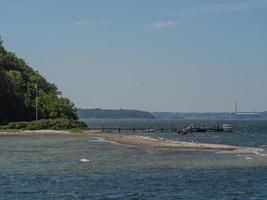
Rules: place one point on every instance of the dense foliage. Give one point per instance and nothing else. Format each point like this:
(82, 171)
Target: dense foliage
(113, 114)
(43, 124)
(18, 91)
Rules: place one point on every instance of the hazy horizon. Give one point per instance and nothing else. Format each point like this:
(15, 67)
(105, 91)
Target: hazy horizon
(233, 111)
(157, 56)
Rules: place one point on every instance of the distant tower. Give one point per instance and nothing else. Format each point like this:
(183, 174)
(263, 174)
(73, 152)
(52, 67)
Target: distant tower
(236, 107)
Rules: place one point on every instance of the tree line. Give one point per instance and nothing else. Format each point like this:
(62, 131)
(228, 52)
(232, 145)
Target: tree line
(113, 114)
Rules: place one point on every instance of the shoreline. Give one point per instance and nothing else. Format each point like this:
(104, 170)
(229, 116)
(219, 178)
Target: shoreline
(143, 141)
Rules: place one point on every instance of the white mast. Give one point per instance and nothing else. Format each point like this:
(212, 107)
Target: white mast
(36, 101)
(236, 107)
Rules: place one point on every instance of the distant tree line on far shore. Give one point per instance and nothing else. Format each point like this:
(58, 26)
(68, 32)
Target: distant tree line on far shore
(113, 114)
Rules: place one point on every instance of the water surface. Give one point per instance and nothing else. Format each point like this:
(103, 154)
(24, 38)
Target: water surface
(49, 167)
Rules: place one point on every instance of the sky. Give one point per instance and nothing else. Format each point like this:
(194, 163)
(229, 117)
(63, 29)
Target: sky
(154, 55)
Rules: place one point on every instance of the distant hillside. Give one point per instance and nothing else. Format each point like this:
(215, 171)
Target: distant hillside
(177, 115)
(18, 83)
(113, 114)
(211, 116)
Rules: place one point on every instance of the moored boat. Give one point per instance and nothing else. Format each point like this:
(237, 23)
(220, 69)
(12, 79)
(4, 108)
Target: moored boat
(182, 131)
(149, 130)
(192, 129)
(196, 128)
(227, 128)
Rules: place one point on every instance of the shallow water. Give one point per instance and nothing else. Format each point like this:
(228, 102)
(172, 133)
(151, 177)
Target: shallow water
(49, 167)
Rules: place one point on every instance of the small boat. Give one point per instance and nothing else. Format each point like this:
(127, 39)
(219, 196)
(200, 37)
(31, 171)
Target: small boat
(227, 128)
(182, 131)
(193, 128)
(149, 130)
(196, 128)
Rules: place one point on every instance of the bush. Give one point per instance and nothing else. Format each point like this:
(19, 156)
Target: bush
(54, 124)
(17, 125)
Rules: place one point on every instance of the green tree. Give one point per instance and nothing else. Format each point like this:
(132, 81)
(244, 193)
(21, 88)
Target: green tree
(18, 92)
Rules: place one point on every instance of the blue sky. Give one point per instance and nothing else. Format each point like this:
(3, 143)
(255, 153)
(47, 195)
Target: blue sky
(155, 55)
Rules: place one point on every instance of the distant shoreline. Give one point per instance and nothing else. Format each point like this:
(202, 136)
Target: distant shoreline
(145, 141)
(105, 114)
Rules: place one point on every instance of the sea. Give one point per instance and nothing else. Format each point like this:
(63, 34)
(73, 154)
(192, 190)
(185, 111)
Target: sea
(82, 167)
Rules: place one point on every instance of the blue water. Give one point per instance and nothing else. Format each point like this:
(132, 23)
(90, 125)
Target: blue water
(49, 167)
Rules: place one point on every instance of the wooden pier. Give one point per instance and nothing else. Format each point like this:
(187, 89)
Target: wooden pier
(151, 130)
(120, 129)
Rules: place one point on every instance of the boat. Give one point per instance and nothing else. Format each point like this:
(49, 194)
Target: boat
(227, 128)
(193, 128)
(182, 131)
(149, 130)
(196, 128)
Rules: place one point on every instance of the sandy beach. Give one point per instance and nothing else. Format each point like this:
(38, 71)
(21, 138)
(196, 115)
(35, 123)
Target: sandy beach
(148, 141)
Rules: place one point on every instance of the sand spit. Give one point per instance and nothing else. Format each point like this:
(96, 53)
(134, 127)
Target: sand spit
(156, 142)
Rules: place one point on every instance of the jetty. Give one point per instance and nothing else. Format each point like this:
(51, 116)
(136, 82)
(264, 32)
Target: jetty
(191, 128)
(140, 129)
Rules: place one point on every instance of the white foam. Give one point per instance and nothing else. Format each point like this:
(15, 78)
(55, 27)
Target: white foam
(84, 160)
(248, 150)
(258, 151)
